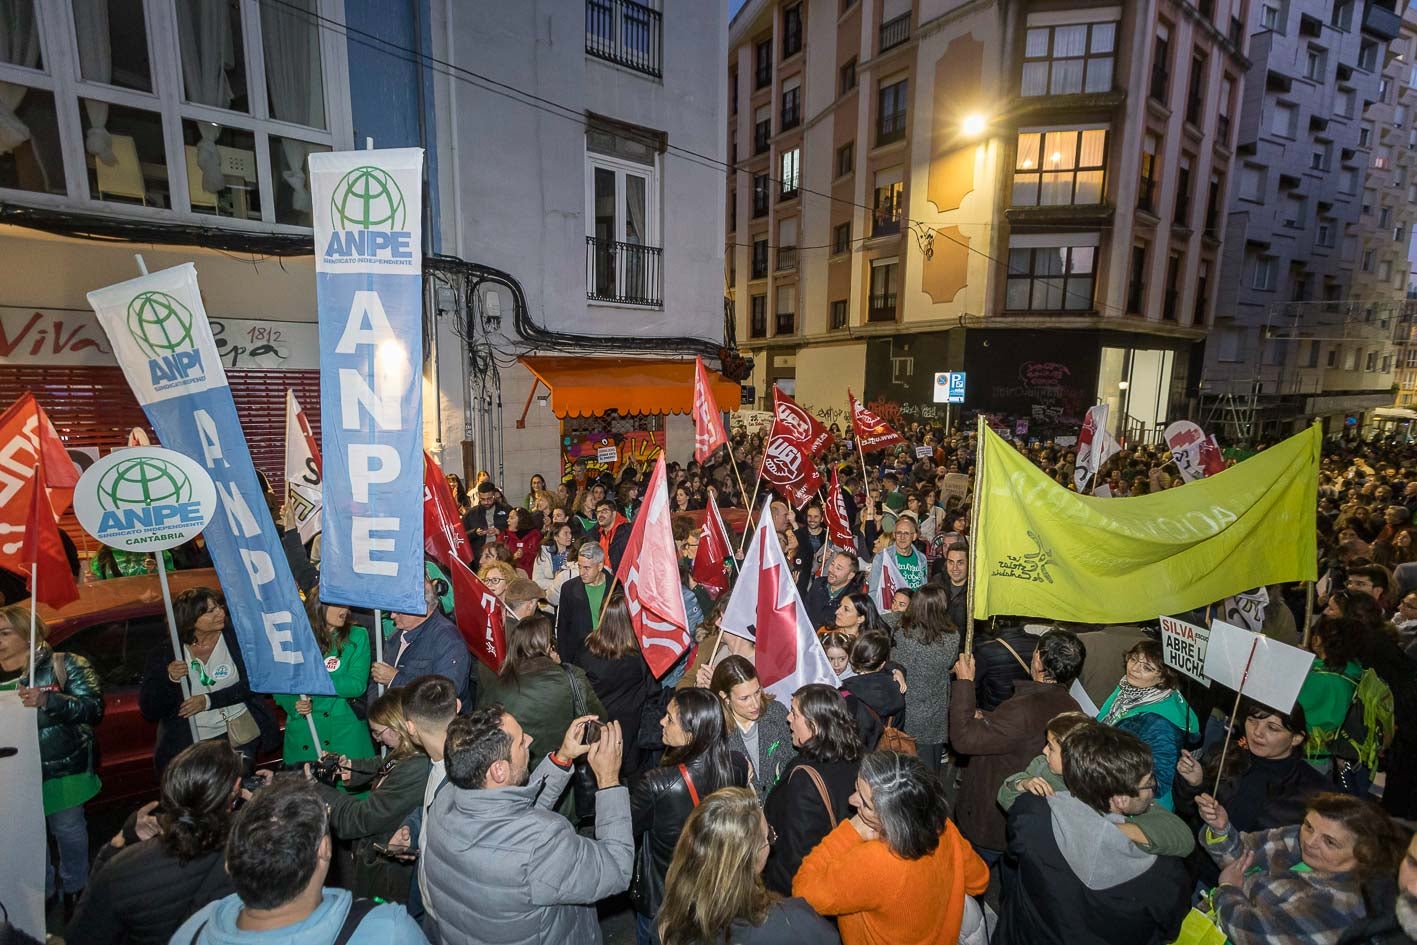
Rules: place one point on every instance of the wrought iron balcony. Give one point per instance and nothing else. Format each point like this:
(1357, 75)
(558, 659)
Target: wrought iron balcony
(628, 273)
(626, 33)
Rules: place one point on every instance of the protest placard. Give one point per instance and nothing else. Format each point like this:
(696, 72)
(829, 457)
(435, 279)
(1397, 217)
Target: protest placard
(1275, 674)
(1183, 647)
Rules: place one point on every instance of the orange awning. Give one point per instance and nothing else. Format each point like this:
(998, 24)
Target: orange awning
(589, 386)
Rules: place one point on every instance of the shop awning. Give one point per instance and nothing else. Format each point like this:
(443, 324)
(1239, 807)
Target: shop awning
(590, 386)
(1395, 413)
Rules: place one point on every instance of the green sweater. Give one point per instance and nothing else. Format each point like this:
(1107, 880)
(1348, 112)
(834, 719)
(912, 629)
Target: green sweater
(1166, 833)
(1326, 695)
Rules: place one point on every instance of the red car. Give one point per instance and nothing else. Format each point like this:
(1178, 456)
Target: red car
(114, 625)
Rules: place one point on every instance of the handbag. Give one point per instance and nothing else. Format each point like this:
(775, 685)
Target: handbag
(583, 783)
(892, 738)
(242, 729)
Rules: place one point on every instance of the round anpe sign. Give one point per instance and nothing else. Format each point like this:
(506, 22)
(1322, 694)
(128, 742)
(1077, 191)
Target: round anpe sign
(144, 499)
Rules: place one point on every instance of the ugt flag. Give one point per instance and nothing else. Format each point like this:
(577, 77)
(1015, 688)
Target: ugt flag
(369, 286)
(26, 437)
(302, 472)
(163, 341)
(766, 608)
(794, 441)
(871, 431)
(715, 548)
(708, 422)
(444, 536)
(649, 572)
(1044, 551)
(1095, 446)
(838, 528)
(1195, 454)
(480, 617)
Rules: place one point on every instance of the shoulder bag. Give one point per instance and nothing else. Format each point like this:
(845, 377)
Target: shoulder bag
(821, 787)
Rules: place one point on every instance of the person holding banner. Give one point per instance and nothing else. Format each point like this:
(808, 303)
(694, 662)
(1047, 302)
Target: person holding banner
(221, 702)
(1148, 703)
(899, 565)
(427, 644)
(68, 697)
(346, 650)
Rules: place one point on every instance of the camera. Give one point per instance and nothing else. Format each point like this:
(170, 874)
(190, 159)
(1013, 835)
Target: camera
(590, 732)
(327, 770)
(254, 782)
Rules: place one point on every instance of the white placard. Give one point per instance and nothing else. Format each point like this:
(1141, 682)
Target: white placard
(22, 866)
(923, 452)
(606, 454)
(1276, 673)
(144, 498)
(1083, 700)
(1183, 647)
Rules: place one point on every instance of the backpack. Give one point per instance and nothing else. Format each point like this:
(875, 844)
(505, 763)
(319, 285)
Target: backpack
(358, 909)
(892, 738)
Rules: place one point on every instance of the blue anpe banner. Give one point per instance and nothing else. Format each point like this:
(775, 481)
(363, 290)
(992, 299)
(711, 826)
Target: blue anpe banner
(369, 285)
(161, 338)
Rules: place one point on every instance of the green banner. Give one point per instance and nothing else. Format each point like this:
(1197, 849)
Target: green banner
(1045, 551)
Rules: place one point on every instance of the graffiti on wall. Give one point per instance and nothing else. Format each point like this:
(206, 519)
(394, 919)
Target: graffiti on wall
(633, 447)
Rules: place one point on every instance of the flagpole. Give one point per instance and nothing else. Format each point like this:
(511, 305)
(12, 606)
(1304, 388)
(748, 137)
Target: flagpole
(314, 733)
(605, 602)
(1225, 745)
(973, 538)
(1308, 611)
(34, 595)
(733, 462)
(757, 483)
(172, 634)
(379, 643)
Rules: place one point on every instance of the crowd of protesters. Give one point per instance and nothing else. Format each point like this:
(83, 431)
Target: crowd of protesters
(938, 795)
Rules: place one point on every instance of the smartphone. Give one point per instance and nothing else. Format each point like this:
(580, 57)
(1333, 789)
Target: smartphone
(395, 851)
(590, 732)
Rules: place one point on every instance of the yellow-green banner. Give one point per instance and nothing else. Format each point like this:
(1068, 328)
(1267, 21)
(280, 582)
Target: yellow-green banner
(1045, 551)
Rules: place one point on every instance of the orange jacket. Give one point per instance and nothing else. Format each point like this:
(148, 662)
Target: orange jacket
(904, 902)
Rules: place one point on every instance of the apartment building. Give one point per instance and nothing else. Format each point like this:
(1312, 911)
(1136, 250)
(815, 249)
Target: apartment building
(1028, 192)
(1313, 280)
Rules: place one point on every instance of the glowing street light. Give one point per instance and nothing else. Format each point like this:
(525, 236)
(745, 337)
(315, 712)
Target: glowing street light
(974, 125)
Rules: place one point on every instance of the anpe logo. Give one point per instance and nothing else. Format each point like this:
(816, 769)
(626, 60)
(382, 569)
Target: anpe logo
(162, 327)
(367, 198)
(145, 492)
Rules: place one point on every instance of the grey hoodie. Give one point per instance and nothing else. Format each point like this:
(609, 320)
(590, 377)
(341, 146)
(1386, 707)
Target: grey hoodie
(1101, 857)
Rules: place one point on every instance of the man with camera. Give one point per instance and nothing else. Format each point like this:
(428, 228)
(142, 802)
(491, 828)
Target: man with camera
(501, 865)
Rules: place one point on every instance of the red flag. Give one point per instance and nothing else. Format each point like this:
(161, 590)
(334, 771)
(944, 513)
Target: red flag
(838, 527)
(51, 582)
(791, 421)
(872, 432)
(1212, 460)
(708, 420)
(649, 572)
(444, 536)
(479, 614)
(25, 435)
(711, 559)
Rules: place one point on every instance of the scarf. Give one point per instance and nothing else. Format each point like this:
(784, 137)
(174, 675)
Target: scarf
(1129, 697)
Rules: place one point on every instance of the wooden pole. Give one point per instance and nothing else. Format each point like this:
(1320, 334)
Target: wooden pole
(34, 599)
(748, 523)
(1308, 611)
(606, 601)
(973, 537)
(1225, 745)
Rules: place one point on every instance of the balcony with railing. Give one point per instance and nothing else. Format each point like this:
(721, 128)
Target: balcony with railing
(786, 258)
(762, 137)
(626, 33)
(885, 219)
(791, 115)
(882, 307)
(627, 273)
(786, 323)
(894, 32)
(890, 127)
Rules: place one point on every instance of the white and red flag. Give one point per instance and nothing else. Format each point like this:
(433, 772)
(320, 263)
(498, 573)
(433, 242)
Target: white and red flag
(709, 434)
(766, 608)
(649, 572)
(715, 546)
(444, 536)
(791, 421)
(1095, 446)
(871, 431)
(479, 615)
(26, 435)
(838, 526)
(302, 472)
(47, 573)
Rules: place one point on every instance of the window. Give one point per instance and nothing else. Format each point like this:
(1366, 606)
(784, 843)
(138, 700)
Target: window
(760, 195)
(1315, 61)
(841, 238)
(1321, 156)
(1252, 183)
(624, 32)
(1365, 135)
(1270, 19)
(1285, 121)
(787, 245)
(790, 163)
(846, 76)
(622, 187)
(785, 310)
(758, 323)
(791, 103)
(890, 112)
(762, 58)
(886, 210)
(1222, 122)
(760, 258)
(846, 159)
(1348, 180)
(732, 210)
(733, 91)
(1161, 64)
(1182, 213)
(792, 30)
(1384, 217)
(1385, 271)
(1059, 168)
(1313, 355)
(257, 84)
(1368, 56)
(1343, 102)
(1263, 276)
(1136, 280)
(1212, 206)
(1150, 174)
(1292, 215)
(762, 130)
(1350, 359)
(1050, 278)
(1333, 354)
(839, 315)
(1195, 88)
(895, 30)
(1172, 293)
(1065, 60)
(1202, 293)
(1323, 235)
(884, 288)
(1342, 15)
(1372, 361)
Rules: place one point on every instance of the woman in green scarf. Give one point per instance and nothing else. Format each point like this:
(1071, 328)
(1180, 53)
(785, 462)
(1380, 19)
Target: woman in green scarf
(1147, 703)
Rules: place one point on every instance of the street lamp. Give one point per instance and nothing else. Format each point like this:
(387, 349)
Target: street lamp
(974, 125)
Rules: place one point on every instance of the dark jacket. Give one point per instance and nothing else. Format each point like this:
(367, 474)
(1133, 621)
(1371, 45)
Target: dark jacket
(996, 671)
(373, 817)
(142, 894)
(623, 685)
(1046, 903)
(615, 548)
(436, 647)
(821, 601)
(789, 922)
(958, 597)
(795, 810)
(574, 621)
(477, 518)
(660, 802)
(775, 749)
(67, 718)
(999, 744)
(874, 699)
(159, 698)
(801, 561)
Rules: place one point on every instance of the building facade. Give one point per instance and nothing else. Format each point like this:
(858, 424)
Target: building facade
(1313, 280)
(1029, 192)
